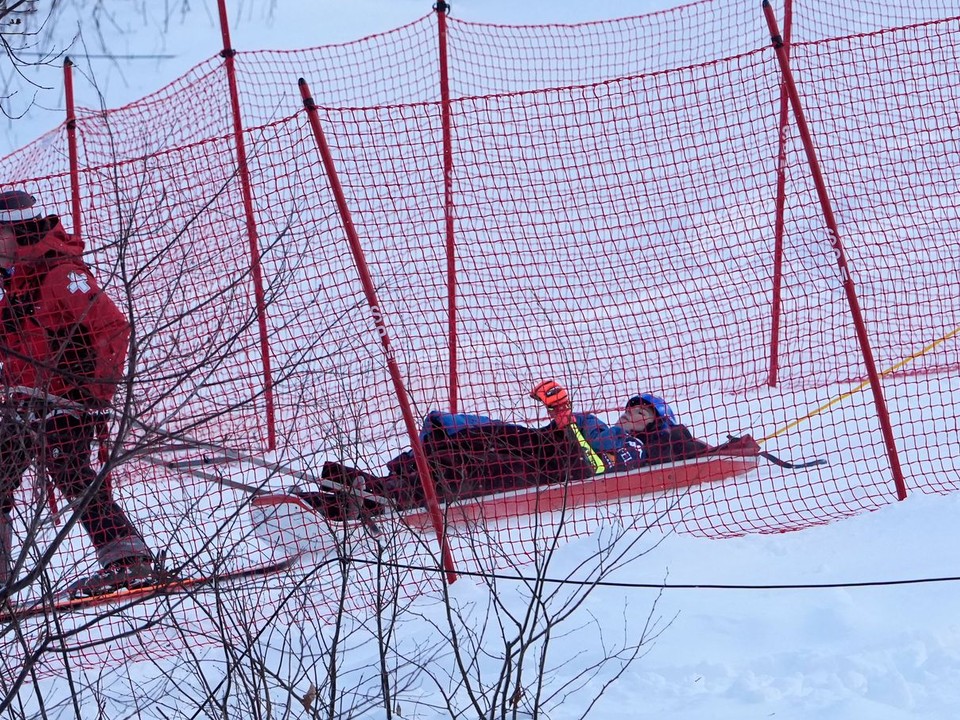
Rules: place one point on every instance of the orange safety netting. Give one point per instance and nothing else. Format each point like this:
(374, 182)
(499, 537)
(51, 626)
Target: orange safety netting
(614, 202)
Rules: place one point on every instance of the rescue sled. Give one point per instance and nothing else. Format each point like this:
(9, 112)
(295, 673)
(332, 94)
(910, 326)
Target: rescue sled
(728, 461)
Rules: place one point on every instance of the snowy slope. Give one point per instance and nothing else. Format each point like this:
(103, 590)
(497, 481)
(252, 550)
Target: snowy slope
(877, 652)
(887, 651)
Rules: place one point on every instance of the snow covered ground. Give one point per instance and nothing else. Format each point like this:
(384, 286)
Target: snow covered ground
(737, 645)
(885, 651)
(743, 648)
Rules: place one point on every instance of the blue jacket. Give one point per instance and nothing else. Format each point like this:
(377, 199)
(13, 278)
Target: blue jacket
(666, 441)
(602, 437)
(451, 424)
(619, 449)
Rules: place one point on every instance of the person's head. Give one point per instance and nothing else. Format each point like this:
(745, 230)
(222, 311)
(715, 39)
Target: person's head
(16, 209)
(646, 412)
(25, 230)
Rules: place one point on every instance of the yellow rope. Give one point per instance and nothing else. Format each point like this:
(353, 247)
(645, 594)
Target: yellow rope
(861, 386)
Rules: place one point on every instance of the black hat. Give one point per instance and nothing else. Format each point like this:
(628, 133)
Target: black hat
(16, 206)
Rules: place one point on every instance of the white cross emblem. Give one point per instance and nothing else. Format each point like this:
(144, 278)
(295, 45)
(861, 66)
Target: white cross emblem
(78, 283)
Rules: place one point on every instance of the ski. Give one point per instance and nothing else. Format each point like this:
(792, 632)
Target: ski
(63, 603)
(785, 463)
(219, 455)
(792, 465)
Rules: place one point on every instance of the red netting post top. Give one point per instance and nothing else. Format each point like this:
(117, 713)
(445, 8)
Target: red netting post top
(846, 278)
(243, 173)
(369, 291)
(442, 8)
(72, 145)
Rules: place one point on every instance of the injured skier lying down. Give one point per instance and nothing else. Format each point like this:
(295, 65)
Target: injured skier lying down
(473, 455)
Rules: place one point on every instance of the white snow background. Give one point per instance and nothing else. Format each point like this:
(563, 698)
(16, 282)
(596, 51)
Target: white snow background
(884, 652)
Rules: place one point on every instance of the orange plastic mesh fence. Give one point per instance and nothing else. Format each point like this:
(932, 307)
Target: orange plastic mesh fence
(614, 199)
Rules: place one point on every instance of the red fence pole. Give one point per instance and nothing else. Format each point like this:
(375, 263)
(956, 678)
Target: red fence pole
(883, 415)
(442, 8)
(369, 290)
(72, 146)
(243, 172)
(775, 309)
(103, 451)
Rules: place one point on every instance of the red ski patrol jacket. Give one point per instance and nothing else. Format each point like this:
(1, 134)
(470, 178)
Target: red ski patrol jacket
(59, 332)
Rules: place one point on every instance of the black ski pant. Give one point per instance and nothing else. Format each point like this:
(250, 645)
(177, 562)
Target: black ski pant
(60, 445)
(494, 457)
